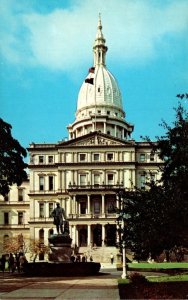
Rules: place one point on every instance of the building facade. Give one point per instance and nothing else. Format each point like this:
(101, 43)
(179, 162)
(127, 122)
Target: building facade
(85, 173)
(14, 218)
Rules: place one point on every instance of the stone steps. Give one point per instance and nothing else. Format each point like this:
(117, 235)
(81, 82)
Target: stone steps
(100, 254)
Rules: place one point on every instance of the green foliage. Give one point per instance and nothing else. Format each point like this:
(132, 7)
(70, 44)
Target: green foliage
(11, 159)
(138, 278)
(146, 231)
(174, 151)
(157, 218)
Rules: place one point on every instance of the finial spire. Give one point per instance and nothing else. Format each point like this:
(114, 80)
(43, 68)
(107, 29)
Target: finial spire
(99, 22)
(99, 47)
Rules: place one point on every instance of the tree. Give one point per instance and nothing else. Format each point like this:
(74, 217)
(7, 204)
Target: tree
(144, 213)
(157, 218)
(37, 247)
(12, 165)
(15, 244)
(173, 149)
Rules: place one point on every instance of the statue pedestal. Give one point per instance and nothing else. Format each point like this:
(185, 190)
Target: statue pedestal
(60, 245)
(59, 263)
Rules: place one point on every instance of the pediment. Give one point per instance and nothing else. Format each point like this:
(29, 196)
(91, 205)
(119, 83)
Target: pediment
(96, 139)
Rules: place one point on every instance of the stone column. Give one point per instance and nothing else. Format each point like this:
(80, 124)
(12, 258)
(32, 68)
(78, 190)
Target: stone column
(104, 127)
(116, 156)
(60, 180)
(76, 235)
(103, 205)
(88, 205)
(103, 234)
(72, 177)
(73, 234)
(88, 235)
(74, 204)
(115, 130)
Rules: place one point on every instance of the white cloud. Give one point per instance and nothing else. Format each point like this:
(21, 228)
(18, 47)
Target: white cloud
(62, 39)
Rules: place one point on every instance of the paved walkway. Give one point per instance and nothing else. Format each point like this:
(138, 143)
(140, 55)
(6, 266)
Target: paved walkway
(36, 288)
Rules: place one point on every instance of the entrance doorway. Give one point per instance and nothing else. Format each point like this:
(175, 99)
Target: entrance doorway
(97, 235)
(83, 237)
(110, 239)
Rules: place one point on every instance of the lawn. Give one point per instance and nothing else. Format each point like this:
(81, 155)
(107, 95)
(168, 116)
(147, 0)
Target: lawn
(163, 265)
(157, 287)
(177, 278)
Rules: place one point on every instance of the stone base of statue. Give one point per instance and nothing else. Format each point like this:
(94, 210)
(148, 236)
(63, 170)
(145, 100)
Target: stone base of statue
(59, 263)
(60, 246)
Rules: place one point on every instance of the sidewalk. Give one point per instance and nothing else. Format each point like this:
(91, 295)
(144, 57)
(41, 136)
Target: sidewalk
(99, 287)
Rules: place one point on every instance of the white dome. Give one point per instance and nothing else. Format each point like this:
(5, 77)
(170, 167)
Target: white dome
(103, 90)
(99, 104)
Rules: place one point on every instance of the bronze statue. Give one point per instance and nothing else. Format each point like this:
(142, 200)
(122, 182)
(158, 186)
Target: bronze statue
(59, 218)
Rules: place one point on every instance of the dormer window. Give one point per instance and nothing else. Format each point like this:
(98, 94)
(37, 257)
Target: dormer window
(98, 89)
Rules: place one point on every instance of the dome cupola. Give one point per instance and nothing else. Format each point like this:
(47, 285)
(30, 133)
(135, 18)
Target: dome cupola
(99, 104)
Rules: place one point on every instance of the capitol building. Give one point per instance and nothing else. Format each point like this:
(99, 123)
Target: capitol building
(85, 172)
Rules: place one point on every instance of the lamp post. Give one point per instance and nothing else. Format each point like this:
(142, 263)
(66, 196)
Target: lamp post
(124, 274)
(122, 203)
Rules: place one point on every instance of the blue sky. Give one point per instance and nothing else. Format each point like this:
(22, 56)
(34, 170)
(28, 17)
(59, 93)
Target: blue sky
(46, 50)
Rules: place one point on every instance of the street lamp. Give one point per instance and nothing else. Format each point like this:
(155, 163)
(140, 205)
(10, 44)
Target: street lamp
(122, 204)
(124, 274)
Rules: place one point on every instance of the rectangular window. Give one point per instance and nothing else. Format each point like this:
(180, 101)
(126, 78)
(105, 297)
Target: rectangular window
(41, 159)
(20, 218)
(110, 156)
(82, 157)
(110, 178)
(50, 159)
(111, 207)
(41, 210)
(142, 157)
(82, 179)
(151, 156)
(51, 207)
(96, 156)
(41, 183)
(20, 194)
(51, 183)
(82, 208)
(96, 207)
(142, 181)
(6, 218)
(6, 197)
(96, 179)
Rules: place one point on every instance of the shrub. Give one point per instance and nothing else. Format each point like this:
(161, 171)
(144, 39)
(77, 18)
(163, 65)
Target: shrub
(137, 278)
